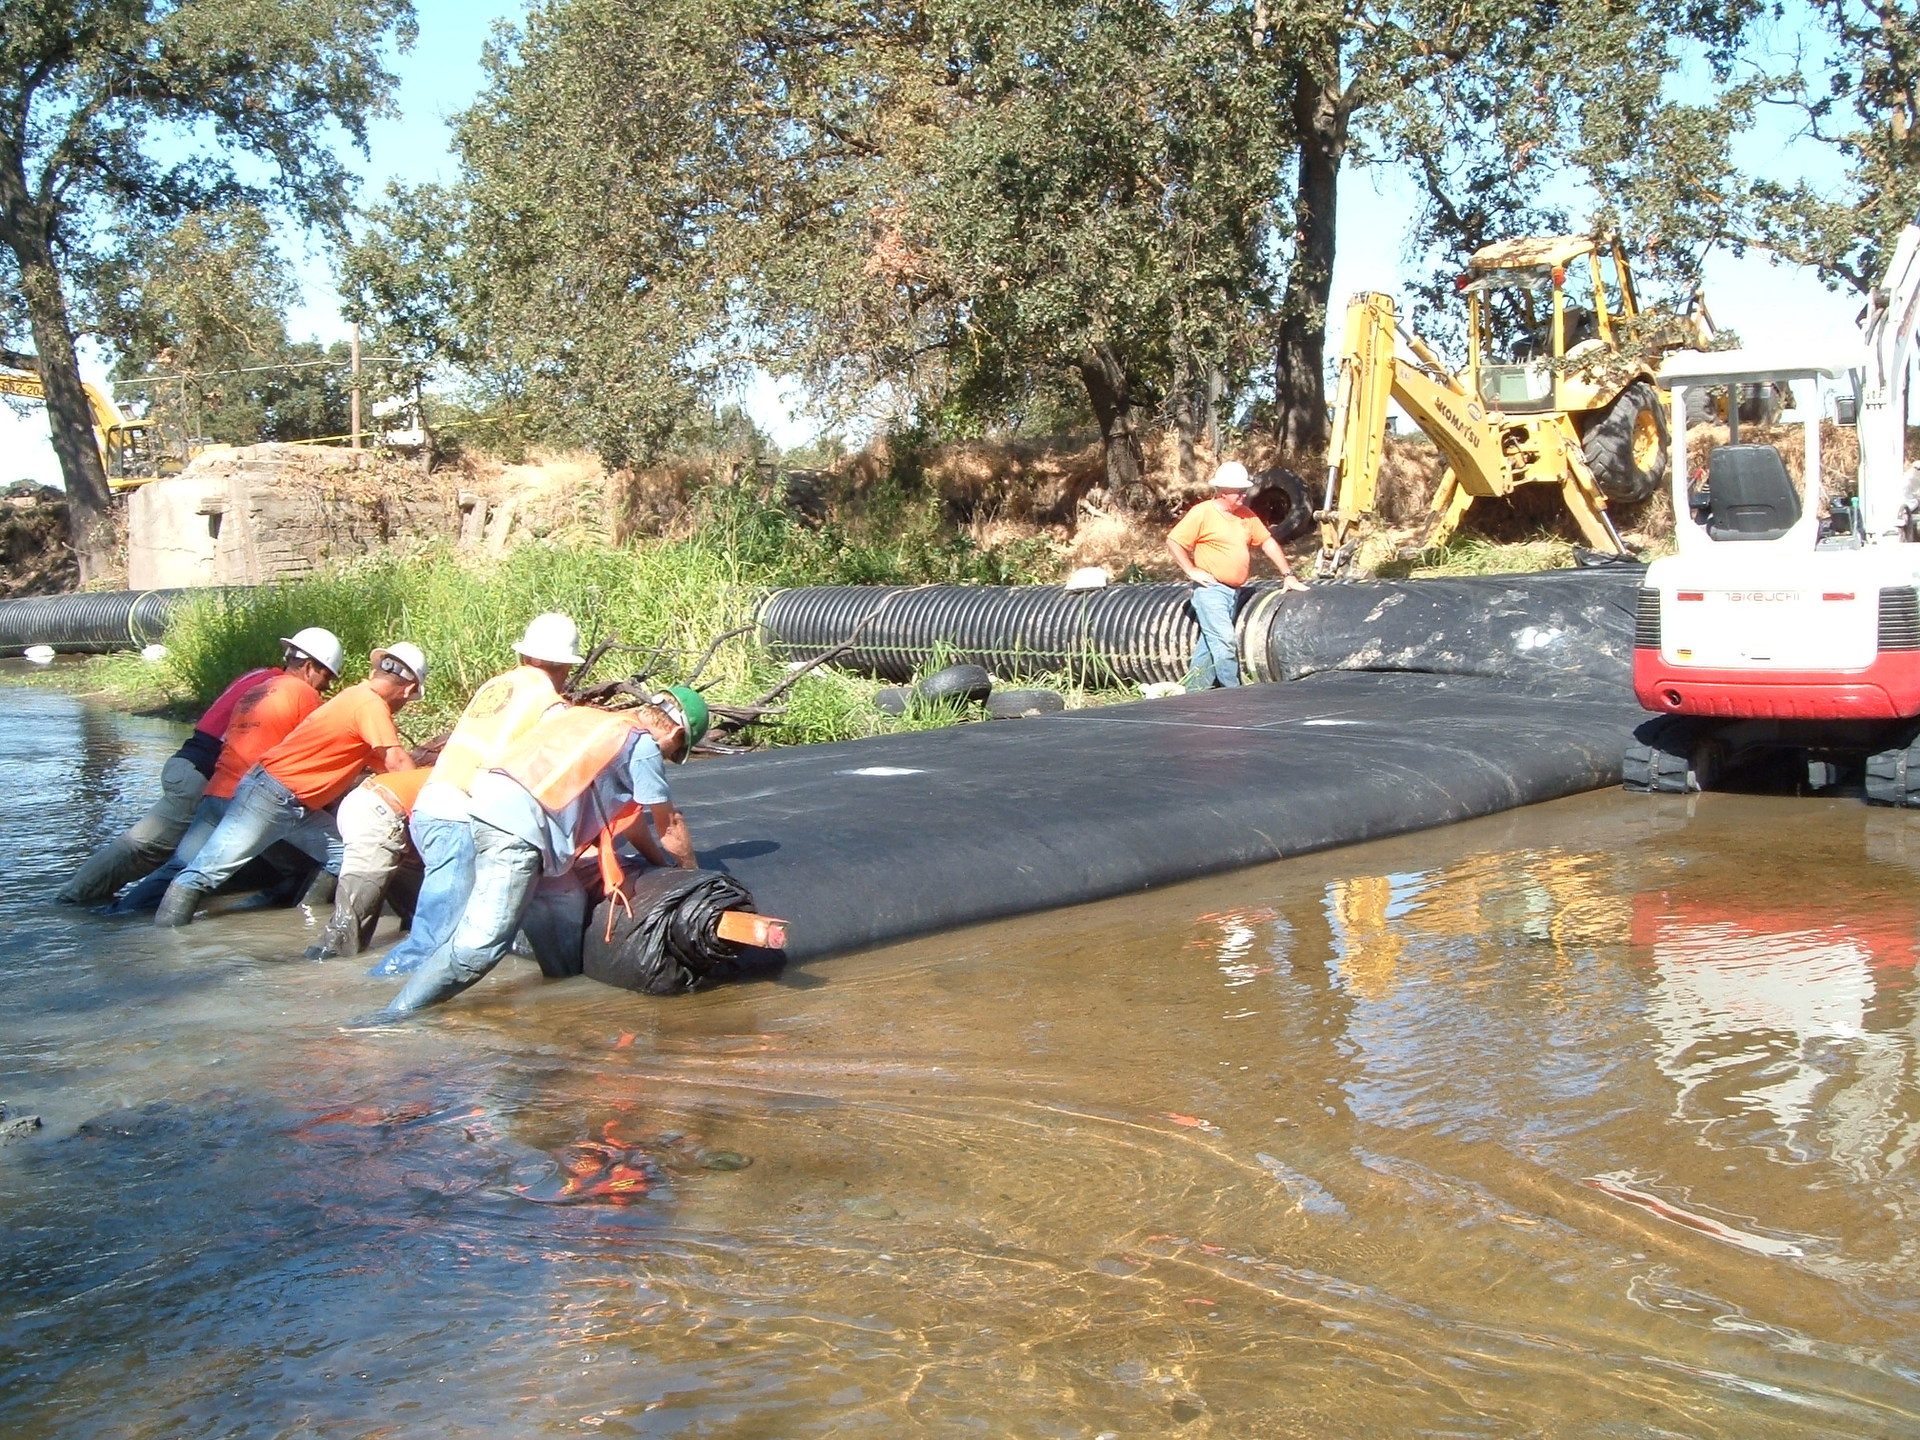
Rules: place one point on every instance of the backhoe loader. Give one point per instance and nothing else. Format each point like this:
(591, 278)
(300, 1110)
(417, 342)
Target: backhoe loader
(127, 448)
(1558, 390)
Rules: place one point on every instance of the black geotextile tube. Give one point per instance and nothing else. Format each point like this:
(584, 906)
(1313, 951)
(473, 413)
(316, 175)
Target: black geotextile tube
(863, 842)
(667, 945)
(1544, 630)
(1553, 631)
(111, 620)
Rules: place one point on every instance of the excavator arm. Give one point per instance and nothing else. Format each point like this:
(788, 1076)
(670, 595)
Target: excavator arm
(1893, 316)
(1486, 453)
(112, 431)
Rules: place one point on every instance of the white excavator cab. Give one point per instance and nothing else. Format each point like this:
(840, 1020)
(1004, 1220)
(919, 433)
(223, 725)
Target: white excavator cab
(1747, 495)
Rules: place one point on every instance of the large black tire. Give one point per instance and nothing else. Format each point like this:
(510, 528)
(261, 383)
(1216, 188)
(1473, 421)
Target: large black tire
(1281, 500)
(1672, 755)
(957, 684)
(1626, 448)
(1018, 704)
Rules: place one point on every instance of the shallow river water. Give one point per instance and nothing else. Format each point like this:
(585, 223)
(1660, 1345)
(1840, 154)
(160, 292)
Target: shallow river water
(1594, 1119)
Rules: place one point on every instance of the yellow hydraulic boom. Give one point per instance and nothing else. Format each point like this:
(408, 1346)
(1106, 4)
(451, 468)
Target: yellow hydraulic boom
(1487, 453)
(126, 449)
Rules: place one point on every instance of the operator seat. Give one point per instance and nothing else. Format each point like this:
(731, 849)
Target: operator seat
(1750, 496)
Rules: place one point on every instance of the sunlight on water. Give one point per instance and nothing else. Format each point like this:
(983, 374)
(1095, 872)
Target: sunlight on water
(1596, 1119)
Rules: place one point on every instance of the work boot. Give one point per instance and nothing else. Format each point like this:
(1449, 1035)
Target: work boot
(356, 910)
(177, 906)
(320, 893)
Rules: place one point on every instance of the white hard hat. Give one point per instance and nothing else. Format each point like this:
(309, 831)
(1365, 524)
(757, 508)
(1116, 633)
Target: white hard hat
(318, 644)
(1232, 476)
(553, 638)
(409, 655)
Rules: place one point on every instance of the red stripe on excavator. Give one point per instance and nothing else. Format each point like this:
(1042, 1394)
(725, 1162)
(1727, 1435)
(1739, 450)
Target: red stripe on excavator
(1888, 689)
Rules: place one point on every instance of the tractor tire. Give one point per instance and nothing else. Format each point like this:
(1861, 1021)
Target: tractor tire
(955, 685)
(1893, 777)
(1281, 501)
(1018, 704)
(1672, 755)
(1626, 448)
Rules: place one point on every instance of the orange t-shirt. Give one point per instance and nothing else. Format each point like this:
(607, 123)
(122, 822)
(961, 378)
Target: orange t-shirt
(402, 788)
(320, 761)
(261, 719)
(1222, 544)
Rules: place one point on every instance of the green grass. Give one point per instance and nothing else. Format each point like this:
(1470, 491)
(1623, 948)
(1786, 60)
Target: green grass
(664, 600)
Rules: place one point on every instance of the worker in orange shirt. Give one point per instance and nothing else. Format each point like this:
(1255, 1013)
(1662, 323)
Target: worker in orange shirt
(145, 845)
(1213, 545)
(286, 795)
(260, 719)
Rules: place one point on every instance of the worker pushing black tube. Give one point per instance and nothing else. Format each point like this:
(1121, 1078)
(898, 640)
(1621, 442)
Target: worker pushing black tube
(1548, 629)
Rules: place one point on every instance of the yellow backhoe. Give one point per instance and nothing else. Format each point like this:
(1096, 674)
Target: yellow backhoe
(127, 447)
(1558, 390)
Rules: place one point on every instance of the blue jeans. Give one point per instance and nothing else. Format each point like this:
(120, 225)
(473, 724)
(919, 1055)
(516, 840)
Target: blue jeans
(446, 850)
(145, 895)
(263, 812)
(509, 894)
(1216, 658)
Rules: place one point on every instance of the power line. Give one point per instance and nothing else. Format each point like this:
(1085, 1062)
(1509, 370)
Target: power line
(250, 370)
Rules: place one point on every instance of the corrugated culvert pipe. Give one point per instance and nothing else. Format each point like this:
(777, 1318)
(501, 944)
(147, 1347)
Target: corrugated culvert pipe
(87, 623)
(1118, 633)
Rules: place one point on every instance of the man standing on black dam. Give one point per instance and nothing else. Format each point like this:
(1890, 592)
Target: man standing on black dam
(1213, 545)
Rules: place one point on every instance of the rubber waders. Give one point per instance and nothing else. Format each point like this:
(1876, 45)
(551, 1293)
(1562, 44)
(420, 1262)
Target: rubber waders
(177, 906)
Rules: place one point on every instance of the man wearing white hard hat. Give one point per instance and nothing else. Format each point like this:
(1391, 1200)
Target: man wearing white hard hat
(287, 795)
(256, 720)
(1213, 545)
(501, 711)
(148, 843)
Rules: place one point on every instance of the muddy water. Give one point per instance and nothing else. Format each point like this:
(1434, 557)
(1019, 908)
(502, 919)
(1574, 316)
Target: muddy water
(1592, 1120)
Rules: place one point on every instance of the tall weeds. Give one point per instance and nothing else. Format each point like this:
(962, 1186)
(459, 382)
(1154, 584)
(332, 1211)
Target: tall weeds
(663, 599)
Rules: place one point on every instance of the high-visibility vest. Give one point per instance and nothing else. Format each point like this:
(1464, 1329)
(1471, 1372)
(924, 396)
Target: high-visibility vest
(564, 754)
(501, 712)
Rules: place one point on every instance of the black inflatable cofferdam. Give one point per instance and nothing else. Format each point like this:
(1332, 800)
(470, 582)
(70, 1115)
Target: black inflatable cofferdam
(80, 624)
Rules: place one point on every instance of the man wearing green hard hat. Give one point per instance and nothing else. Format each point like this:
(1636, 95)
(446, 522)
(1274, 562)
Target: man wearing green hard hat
(577, 783)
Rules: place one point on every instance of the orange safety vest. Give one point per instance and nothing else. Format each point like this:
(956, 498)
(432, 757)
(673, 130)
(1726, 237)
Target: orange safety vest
(501, 713)
(556, 764)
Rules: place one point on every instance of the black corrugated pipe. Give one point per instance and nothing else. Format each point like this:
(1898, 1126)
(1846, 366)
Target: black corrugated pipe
(86, 623)
(1134, 633)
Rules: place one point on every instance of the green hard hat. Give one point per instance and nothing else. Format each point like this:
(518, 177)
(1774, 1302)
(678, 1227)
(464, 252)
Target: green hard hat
(690, 708)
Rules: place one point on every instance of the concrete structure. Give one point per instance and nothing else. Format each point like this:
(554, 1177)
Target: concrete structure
(274, 512)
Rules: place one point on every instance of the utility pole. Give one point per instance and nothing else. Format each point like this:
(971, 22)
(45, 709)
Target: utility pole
(356, 385)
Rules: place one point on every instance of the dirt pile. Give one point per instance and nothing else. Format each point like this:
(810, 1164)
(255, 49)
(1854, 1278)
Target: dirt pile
(35, 558)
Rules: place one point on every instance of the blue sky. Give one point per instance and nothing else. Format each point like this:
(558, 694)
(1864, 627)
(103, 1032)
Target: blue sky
(440, 75)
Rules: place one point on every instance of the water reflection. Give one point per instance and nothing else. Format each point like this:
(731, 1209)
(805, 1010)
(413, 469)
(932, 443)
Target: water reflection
(1590, 1120)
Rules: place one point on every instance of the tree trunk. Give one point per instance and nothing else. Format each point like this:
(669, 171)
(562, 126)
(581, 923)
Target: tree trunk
(69, 416)
(1111, 395)
(1321, 115)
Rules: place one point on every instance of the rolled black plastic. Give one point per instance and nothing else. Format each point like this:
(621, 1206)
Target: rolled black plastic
(86, 623)
(666, 944)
